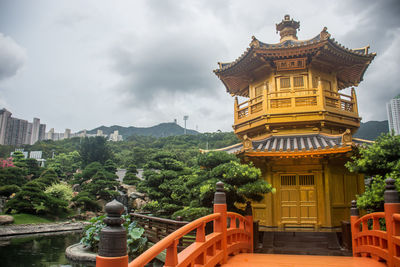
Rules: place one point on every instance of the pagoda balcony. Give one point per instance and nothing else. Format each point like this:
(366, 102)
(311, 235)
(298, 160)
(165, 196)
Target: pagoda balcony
(301, 105)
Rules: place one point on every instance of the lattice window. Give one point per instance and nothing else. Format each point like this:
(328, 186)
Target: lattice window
(285, 82)
(243, 113)
(306, 101)
(326, 85)
(258, 91)
(288, 180)
(306, 180)
(298, 81)
(315, 82)
(346, 106)
(256, 108)
(330, 102)
(280, 103)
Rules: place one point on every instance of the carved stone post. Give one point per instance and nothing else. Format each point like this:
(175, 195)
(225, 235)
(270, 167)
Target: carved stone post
(392, 205)
(221, 225)
(112, 245)
(354, 216)
(249, 217)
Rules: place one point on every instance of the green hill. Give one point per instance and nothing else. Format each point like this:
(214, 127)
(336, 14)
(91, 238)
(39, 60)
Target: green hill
(160, 130)
(370, 130)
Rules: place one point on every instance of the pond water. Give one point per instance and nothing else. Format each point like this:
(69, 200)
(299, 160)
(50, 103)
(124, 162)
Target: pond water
(38, 250)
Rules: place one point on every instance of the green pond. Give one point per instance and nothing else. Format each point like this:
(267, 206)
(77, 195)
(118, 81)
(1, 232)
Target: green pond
(38, 250)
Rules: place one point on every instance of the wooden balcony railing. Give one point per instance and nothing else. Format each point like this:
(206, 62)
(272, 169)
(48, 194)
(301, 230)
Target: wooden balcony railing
(295, 100)
(369, 236)
(157, 228)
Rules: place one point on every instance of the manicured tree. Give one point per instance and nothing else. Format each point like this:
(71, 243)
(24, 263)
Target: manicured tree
(90, 171)
(48, 177)
(19, 159)
(86, 201)
(65, 164)
(130, 177)
(60, 191)
(110, 166)
(94, 149)
(13, 176)
(32, 168)
(242, 182)
(164, 180)
(8, 190)
(30, 199)
(103, 186)
(378, 161)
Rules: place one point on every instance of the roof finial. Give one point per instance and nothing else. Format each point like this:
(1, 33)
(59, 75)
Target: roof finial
(288, 28)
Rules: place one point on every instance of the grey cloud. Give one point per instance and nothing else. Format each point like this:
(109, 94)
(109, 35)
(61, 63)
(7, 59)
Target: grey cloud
(379, 26)
(12, 57)
(378, 21)
(173, 64)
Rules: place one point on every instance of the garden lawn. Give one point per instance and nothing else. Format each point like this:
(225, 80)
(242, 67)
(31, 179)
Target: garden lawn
(23, 218)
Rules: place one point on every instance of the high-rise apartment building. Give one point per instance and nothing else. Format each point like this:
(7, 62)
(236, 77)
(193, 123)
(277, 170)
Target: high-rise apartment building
(35, 130)
(14, 131)
(28, 136)
(115, 137)
(67, 133)
(393, 113)
(5, 116)
(42, 132)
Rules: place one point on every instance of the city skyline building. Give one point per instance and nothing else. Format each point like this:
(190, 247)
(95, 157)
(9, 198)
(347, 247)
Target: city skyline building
(35, 130)
(42, 131)
(5, 115)
(16, 132)
(393, 113)
(115, 137)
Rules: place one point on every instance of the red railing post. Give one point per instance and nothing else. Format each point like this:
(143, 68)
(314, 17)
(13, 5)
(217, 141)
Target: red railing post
(392, 206)
(354, 216)
(221, 224)
(171, 259)
(249, 217)
(112, 245)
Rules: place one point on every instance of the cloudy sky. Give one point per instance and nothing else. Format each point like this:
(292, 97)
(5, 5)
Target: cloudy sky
(81, 64)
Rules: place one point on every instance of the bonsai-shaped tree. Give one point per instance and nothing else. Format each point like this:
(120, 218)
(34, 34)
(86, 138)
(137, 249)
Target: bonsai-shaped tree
(378, 161)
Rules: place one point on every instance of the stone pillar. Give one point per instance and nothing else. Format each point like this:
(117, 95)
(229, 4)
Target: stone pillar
(112, 245)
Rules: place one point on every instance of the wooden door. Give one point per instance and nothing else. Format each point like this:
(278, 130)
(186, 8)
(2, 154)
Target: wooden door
(308, 199)
(289, 199)
(298, 200)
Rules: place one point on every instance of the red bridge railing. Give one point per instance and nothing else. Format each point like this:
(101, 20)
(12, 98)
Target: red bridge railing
(369, 237)
(232, 234)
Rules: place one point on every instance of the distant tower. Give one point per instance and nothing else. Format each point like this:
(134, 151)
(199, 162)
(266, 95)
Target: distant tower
(393, 113)
(185, 118)
(5, 116)
(35, 130)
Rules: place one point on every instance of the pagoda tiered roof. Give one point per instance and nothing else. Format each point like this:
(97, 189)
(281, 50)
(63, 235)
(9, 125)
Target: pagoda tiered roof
(321, 51)
(297, 145)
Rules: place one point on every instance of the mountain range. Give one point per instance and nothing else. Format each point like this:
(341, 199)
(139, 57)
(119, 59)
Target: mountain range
(369, 130)
(160, 130)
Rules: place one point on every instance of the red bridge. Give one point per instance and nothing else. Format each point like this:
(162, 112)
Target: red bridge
(375, 238)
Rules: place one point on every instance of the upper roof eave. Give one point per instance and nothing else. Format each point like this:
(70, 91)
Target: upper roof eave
(319, 41)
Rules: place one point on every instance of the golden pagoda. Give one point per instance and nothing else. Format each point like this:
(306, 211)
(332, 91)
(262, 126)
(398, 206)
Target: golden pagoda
(297, 126)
